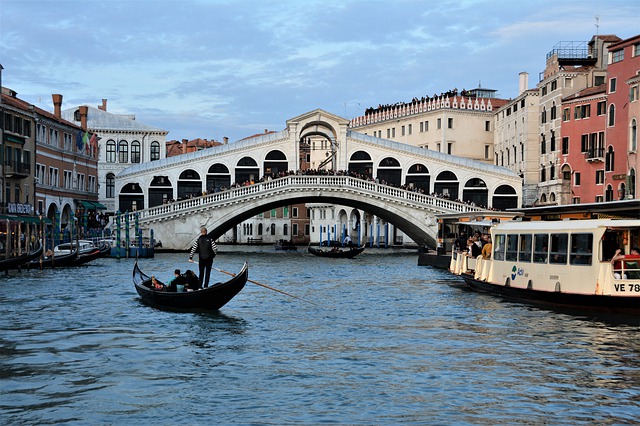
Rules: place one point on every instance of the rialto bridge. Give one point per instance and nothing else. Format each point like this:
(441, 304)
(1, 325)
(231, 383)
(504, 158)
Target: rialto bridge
(223, 186)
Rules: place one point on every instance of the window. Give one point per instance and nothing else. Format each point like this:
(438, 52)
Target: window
(487, 126)
(426, 126)
(633, 136)
(566, 114)
(559, 244)
(512, 248)
(599, 177)
(543, 115)
(388, 133)
(609, 160)
(498, 247)
(294, 230)
(552, 142)
(544, 90)
(410, 128)
(540, 248)
(123, 152)
(421, 127)
(617, 56)
(553, 111)
(449, 148)
(612, 116)
(576, 179)
(543, 145)
(526, 244)
(393, 132)
(294, 212)
(543, 174)
(636, 50)
(450, 123)
(612, 85)
(111, 152)
(602, 107)
(155, 151)
(486, 152)
(554, 85)
(439, 125)
(565, 145)
(633, 93)
(402, 131)
(135, 152)
(111, 185)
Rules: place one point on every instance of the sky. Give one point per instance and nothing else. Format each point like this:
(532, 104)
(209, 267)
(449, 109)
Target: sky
(221, 68)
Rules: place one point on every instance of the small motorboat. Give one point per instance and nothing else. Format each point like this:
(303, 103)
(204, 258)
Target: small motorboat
(210, 298)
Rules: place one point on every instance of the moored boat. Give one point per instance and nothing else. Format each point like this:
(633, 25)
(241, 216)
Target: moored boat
(18, 261)
(336, 253)
(559, 263)
(211, 298)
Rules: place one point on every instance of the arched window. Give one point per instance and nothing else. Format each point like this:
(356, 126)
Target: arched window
(633, 136)
(111, 151)
(612, 116)
(135, 152)
(608, 195)
(609, 160)
(155, 150)
(273, 229)
(632, 183)
(111, 185)
(123, 152)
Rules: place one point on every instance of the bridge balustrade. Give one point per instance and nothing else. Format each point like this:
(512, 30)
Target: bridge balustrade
(319, 182)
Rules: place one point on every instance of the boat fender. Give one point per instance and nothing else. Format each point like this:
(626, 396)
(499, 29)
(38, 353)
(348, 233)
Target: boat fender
(507, 283)
(558, 289)
(530, 285)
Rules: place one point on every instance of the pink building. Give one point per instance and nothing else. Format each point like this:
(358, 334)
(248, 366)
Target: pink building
(623, 113)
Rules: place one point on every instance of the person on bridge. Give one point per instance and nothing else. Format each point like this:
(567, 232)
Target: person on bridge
(207, 250)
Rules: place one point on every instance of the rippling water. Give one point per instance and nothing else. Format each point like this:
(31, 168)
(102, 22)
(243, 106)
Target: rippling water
(386, 342)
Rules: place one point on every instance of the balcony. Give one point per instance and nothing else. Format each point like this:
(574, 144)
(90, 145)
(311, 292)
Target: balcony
(594, 155)
(574, 53)
(17, 169)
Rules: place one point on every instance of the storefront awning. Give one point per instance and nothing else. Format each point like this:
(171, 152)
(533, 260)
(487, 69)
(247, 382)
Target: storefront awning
(28, 219)
(92, 205)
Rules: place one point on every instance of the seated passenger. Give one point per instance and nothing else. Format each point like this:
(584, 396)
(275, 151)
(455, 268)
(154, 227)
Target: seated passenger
(631, 263)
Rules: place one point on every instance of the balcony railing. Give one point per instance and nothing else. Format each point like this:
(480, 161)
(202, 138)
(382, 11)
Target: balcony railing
(594, 154)
(17, 169)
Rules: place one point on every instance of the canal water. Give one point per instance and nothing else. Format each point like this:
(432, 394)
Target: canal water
(384, 341)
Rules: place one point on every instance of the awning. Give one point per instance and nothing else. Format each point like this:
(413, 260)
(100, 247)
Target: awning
(99, 206)
(29, 219)
(92, 205)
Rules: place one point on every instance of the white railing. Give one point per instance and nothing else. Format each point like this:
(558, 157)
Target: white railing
(304, 182)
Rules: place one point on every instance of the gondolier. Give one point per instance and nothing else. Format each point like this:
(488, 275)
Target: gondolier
(207, 250)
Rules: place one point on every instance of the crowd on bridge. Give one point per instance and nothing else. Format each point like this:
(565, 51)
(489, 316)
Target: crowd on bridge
(414, 101)
(315, 172)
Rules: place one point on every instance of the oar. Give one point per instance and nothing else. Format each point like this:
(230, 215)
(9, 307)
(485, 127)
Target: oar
(260, 284)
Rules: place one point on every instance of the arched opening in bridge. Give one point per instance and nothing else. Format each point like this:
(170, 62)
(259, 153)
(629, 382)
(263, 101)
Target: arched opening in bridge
(274, 163)
(476, 191)
(189, 184)
(160, 191)
(218, 178)
(505, 197)
(389, 172)
(131, 197)
(447, 184)
(247, 171)
(361, 164)
(418, 177)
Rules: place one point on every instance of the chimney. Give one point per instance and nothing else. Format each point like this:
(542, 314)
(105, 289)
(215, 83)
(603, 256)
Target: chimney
(266, 131)
(84, 112)
(185, 142)
(103, 107)
(226, 140)
(57, 105)
(524, 82)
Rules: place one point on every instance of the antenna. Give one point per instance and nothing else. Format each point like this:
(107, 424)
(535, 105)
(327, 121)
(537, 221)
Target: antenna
(597, 24)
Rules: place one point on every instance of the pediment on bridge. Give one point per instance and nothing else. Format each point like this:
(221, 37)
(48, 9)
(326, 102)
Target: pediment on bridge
(318, 115)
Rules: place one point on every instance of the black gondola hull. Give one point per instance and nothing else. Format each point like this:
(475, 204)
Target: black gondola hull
(343, 254)
(211, 298)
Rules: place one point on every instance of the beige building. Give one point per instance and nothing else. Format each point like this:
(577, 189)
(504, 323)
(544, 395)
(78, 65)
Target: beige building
(456, 123)
(516, 138)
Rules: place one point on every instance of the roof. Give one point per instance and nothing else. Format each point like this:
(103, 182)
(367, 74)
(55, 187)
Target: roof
(567, 225)
(601, 89)
(30, 109)
(99, 120)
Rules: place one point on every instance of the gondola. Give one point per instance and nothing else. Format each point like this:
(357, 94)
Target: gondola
(57, 261)
(211, 298)
(18, 261)
(96, 253)
(336, 254)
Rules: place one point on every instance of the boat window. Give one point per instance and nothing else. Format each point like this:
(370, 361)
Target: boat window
(581, 249)
(541, 248)
(498, 247)
(526, 243)
(512, 247)
(559, 243)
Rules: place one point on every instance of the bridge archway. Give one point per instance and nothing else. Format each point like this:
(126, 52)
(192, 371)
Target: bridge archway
(275, 162)
(447, 184)
(247, 170)
(418, 177)
(389, 171)
(218, 177)
(360, 163)
(505, 197)
(476, 191)
(131, 197)
(160, 191)
(189, 184)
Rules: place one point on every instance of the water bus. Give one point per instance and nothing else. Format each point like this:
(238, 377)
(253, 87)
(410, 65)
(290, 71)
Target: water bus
(561, 262)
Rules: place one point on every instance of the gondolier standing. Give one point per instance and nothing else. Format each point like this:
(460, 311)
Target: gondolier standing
(207, 250)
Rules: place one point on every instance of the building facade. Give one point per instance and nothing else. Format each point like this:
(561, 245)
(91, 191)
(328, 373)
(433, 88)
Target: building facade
(122, 142)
